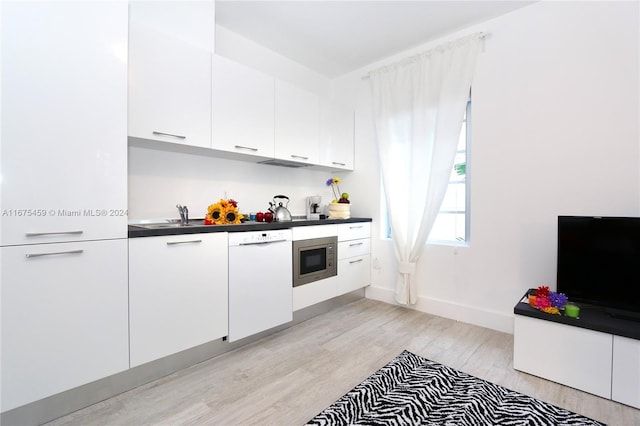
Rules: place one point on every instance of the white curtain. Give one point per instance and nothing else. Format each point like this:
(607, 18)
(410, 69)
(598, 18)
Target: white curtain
(419, 105)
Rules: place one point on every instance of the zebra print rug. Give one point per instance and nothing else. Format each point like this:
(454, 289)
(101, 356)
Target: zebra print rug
(411, 390)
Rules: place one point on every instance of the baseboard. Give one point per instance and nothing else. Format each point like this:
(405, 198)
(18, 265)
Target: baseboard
(448, 309)
(55, 406)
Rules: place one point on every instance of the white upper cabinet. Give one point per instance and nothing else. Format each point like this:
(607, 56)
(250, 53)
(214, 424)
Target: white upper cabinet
(64, 121)
(243, 109)
(297, 124)
(337, 136)
(170, 48)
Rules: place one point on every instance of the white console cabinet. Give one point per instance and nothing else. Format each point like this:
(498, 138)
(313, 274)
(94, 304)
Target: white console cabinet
(584, 353)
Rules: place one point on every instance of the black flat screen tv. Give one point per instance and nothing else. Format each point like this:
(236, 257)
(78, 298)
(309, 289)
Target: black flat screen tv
(599, 262)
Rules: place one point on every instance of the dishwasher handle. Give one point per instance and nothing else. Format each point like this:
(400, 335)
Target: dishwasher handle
(253, 243)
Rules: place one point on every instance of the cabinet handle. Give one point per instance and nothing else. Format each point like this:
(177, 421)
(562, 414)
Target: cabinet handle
(169, 134)
(172, 243)
(356, 227)
(355, 244)
(54, 253)
(337, 163)
(299, 156)
(37, 234)
(246, 147)
(356, 261)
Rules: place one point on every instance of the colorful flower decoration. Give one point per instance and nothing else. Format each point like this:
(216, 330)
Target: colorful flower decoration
(548, 301)
(340, 197)
(224, 212)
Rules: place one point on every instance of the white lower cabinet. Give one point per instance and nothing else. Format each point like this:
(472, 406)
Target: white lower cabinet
(177, 293)
(354, 273)
(581, 360)
(600, 363)
(354, 258)
(64, 317)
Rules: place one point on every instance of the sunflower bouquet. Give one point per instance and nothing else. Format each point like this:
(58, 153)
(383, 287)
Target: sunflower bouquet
(224, 212)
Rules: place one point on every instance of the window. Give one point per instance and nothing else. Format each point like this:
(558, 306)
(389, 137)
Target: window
(452, 223)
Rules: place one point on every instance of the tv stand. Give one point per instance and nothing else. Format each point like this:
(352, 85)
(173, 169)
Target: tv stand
(625, 315)
(596, 353)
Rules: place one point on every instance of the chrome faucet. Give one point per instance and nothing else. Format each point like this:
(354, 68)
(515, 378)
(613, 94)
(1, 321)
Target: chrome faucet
(184, 214)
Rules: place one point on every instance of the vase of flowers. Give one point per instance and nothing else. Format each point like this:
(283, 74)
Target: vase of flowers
(340, 207)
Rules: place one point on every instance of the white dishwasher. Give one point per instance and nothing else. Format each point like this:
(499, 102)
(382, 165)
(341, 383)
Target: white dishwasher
(260, 281)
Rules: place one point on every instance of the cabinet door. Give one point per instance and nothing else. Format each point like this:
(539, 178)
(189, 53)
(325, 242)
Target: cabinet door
(353, 231)
(354, 273)
(297, 124)
(177, 293)
(337, 137)
(170, 47)
(243, 109)
(584, 362)
(64, 317)
(625, 385)
(63, 133)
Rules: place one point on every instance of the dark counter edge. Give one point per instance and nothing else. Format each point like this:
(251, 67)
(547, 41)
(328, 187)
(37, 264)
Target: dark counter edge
(136, 231)
(591, 318)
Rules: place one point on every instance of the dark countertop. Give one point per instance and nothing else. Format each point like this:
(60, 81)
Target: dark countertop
(138, 231)
(591, 317)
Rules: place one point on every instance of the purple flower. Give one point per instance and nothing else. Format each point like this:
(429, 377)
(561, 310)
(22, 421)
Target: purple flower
(329, 181)
(558, 299)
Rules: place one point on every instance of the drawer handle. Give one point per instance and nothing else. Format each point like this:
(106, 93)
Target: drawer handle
(37, 234)
(355, 244)
(54, 253)
(169, 134)
(173, 243)
(355, 261)
(337, 163)
(300, 157)
(356, 227)
(246, 147)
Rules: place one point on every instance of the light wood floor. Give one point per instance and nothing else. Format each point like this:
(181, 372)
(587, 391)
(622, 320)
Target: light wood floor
(287, 378)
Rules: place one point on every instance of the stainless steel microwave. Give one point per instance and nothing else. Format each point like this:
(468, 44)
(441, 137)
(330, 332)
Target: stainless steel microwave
(314, 259)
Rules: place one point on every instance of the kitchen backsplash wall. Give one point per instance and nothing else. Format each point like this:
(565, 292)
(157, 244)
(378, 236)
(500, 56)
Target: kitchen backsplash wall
(158, 180)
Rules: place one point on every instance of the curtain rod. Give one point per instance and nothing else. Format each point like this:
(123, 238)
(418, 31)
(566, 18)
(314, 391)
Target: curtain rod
(481, 36)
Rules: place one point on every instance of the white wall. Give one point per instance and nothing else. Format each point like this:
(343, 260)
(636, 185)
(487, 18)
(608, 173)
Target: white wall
(555, 131)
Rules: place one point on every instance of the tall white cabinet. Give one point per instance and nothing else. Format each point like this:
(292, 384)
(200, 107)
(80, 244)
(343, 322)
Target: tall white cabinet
(170, 48)
(64, 89)
(63, 198)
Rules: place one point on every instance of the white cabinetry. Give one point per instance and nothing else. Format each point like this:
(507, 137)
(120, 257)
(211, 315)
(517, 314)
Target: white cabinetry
(354, 258)
(170, 48)
(583, 361)
(243, 109)
(626, 371)
(64, 88)
(177, 293)
(354, 262)
(600, 363)
(64, 171)
(337, 136)
(64, 317)
(297, 124)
